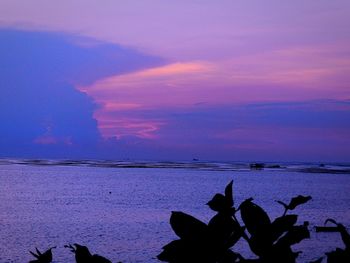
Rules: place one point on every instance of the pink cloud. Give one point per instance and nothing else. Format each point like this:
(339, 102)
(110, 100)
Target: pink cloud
(125, 127)
(235, 56)
(292, 74)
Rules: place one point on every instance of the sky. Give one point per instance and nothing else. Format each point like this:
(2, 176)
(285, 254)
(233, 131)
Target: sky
(175, 80)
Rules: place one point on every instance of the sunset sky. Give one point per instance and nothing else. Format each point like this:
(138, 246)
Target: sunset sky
(175, 80)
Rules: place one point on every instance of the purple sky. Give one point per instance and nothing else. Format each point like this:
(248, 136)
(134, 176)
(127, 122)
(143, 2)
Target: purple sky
(215, 80)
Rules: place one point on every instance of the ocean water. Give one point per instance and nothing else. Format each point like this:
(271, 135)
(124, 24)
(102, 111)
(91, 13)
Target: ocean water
(121, 210)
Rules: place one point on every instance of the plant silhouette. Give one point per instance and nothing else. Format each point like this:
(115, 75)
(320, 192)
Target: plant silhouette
(45, 257)
(340, 255)
(83, 255)
(270, 241)
(200, 242)
(296, 201)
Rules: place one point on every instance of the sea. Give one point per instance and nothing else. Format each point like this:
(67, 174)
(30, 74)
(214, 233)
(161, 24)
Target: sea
(121, 209)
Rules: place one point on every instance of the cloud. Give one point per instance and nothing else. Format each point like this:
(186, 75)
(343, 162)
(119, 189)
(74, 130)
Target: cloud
(292, 74)
(188, 29)
(128, 127)
(42, 113)
(302, 130)
(62, 92)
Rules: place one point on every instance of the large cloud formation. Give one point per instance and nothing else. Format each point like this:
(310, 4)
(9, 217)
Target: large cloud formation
(315, 130)
(42, 113)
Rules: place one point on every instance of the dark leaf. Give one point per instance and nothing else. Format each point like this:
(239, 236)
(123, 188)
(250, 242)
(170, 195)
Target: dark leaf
(295, 235)
(173, 252)
(229, 257)
(345, 236)
(45, 257)
(82, 253)
(298, 201)
(99, 259)
(228, 194)
(281, 254)
(222, 203)
(254, 217)
(331, 220)
(338, 256)
(282, 224)
(233, 239)
(222, 228)
(187, 227)
(219, 203)
(260, 244)
(343, 232)
(34, 255)
(186, 251)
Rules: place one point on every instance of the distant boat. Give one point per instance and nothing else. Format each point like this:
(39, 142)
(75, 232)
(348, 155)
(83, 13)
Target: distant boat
(195, 159)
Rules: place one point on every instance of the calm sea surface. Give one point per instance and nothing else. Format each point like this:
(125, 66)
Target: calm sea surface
(123, 213)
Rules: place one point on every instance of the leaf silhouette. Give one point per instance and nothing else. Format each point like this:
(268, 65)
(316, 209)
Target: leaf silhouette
(270, 241)
(281, 253)
(229, 257)
(345, 236)
(186, 226)
(228, 194)
(343, 232)
(254, 217)
(295, 235)
(187, 251)
(83, 255)
(260, 243)
(236, 235)
(222, 228)
(222, 203)
(175, 251)
(45, 257)
(99, 259)
(282, 224)
(299, 200)
(338, 256)
(218, 203)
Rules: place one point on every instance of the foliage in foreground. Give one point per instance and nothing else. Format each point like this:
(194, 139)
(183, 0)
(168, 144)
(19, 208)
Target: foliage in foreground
(270, 240)
(81, 253)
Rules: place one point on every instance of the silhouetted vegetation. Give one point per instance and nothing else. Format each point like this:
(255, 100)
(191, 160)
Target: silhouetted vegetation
(340, 255)
(45, 257)
(83, 255)
(270, 240)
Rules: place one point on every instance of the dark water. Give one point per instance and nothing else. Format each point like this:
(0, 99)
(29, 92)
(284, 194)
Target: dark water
(47, 205)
